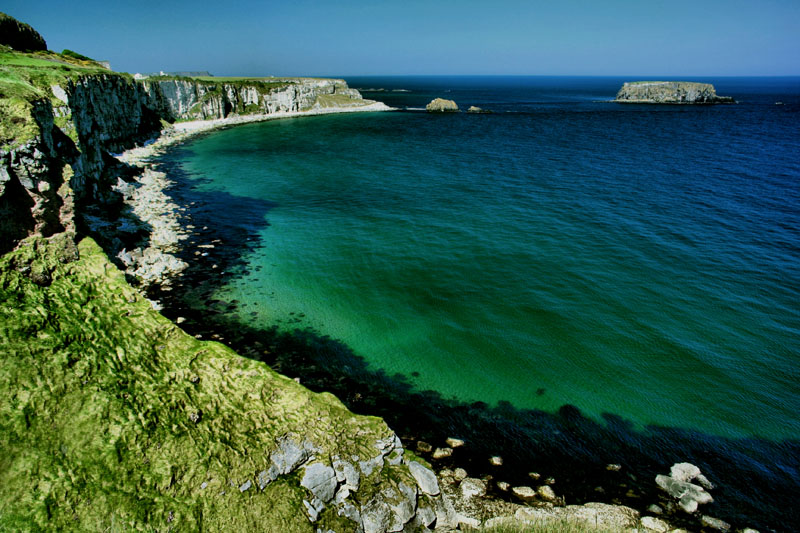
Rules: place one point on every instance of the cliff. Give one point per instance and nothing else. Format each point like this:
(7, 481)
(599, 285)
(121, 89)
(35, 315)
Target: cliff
(112, 417)
(63, 118)
(670, 92)
(187, 98)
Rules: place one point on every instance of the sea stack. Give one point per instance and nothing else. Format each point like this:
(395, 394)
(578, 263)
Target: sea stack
(670, 92)
(440, 105)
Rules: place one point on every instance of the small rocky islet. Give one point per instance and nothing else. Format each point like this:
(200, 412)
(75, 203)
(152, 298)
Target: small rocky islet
(670, 92)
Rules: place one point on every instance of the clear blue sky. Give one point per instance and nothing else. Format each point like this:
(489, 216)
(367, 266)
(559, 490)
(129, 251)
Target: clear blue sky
(302, 37)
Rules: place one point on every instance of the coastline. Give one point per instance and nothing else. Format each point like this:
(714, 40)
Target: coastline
(155, 262)
(181, 131)
(471, 458)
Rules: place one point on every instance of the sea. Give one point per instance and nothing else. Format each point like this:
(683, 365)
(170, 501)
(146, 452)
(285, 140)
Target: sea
(591, 290)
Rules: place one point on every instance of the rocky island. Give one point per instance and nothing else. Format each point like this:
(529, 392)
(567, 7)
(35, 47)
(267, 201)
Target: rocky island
(670, 92)
(440, 105)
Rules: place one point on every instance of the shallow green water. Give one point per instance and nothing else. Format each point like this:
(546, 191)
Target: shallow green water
(532, 257)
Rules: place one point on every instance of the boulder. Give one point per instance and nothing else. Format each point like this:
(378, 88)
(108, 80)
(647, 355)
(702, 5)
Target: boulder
(424, 447)
(546, 493)
(689, 495)
(651, 523)
(440, 105)
(715, 523)
(442, 453)
(684, 471)
(320, 479)
(475, 109)
(454, 443)
(425, 478)
(472, 487)
(525, 494)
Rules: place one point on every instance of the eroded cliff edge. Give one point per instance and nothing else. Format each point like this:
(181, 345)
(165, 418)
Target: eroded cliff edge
(62, 123)
(670, 92)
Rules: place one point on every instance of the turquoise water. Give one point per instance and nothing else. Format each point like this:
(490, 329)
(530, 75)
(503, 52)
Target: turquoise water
(638, 261)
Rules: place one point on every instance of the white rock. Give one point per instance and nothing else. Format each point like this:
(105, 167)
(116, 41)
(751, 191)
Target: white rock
(655, 524)
(715, 523)
(441, 453)
(524, 493)
(546, 493)
(472, 487)
(320, 479)
(375, 516)
(425, 478)
(454, 443)
(684, 472)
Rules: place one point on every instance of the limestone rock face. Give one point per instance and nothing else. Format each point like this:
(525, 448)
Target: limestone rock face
(440, 105)
(670, 92)
(204, 100)
(18, 35)
(107, 114)
(425, 478)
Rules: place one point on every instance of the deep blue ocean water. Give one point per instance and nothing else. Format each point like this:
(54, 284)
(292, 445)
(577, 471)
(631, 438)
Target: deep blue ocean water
(636, 263)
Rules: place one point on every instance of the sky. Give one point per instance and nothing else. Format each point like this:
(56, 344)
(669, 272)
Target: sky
(413, 37)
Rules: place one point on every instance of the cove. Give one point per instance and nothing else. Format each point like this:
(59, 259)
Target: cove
(636, 265)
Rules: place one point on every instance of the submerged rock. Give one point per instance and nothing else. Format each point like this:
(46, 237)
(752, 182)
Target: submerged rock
(440, 105)
(476, 109)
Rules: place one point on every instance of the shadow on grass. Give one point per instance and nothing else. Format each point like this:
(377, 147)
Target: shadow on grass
(757, 479)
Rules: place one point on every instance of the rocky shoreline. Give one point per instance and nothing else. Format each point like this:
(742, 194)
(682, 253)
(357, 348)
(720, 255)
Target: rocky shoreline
(153, 260)
(486, 496)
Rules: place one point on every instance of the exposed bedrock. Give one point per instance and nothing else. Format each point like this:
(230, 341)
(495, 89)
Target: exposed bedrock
(670, 92)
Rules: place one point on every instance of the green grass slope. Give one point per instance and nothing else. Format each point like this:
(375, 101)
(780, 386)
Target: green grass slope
(113, 419)
(26, 77)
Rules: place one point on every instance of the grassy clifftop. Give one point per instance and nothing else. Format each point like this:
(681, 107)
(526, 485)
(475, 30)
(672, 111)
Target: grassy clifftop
(112, 417)
(26, 77)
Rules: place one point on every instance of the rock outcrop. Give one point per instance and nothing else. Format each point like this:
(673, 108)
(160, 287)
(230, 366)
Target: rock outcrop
(19, 36)
(187, 98)
(478, 110)
(679, 485)
(670, 92)
(440, 105)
